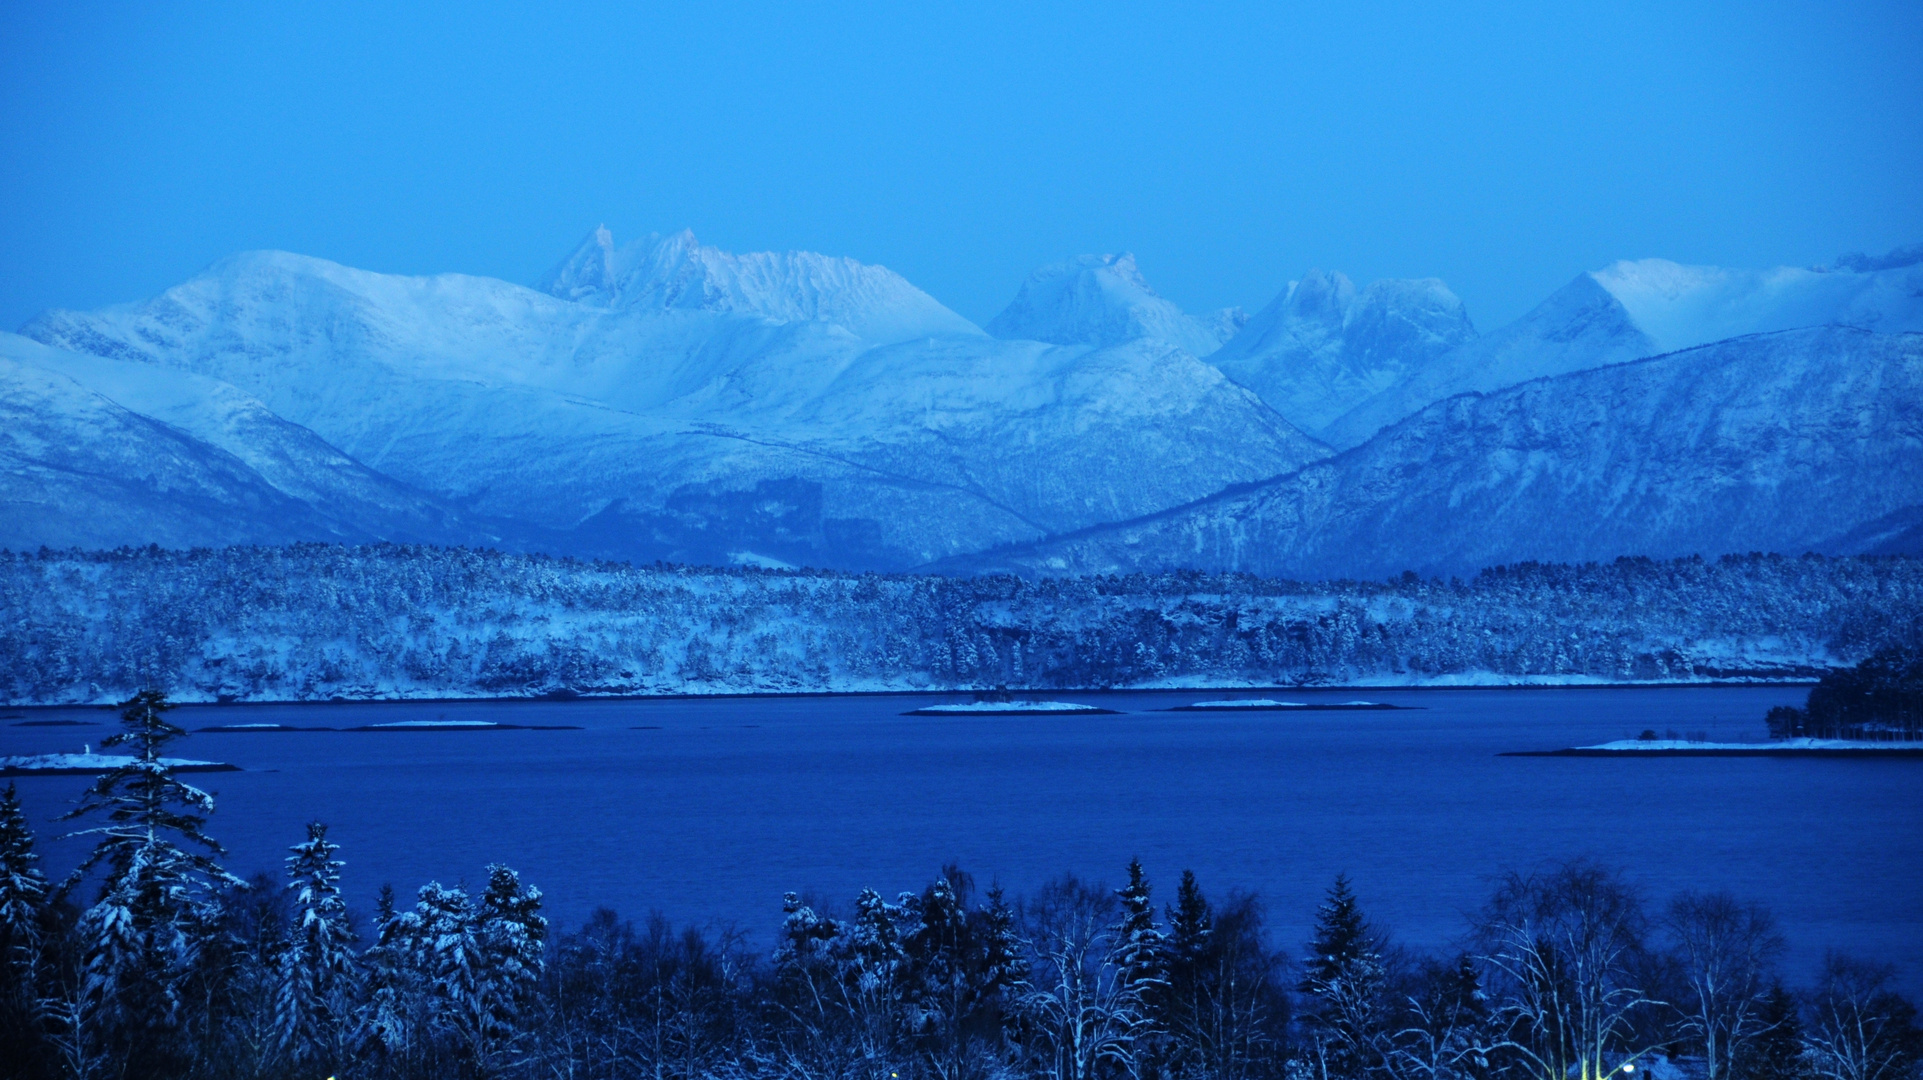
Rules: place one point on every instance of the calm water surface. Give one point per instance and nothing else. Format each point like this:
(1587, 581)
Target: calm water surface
(709, 810)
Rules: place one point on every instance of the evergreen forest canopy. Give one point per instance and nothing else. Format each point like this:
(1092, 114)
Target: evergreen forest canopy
(1880, 698)
(174, 968)
(322, 621)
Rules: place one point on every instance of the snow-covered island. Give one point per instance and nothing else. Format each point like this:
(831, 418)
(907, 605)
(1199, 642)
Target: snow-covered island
(1775, 748)
(461, 725)
(1008, 708)
(1267, 705)
(89, 764)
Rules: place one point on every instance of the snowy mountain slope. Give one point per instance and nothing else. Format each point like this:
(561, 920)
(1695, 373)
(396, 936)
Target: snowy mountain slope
(643, 429)
(1103, 300)
(678, 273)
(1634, 309)
(99, 446)
(1775, 442)
(1322, 346)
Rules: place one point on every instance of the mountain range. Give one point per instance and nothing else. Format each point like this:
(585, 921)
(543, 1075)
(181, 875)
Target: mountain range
(663, 399)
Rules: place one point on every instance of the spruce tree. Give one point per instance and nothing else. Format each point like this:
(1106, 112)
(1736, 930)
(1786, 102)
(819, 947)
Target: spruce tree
(141, 936)
(23, 906)
(512, 935)
(1140, 947)
(1191, 924)
(317, 977)
(23, 888)
(1776, 1052)
(1343, 979)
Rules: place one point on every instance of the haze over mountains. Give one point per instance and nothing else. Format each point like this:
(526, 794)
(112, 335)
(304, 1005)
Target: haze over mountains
(662, 399)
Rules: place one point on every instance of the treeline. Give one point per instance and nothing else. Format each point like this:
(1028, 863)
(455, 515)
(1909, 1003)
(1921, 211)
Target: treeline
(316, 621)
(1880, 698)
(177, 969)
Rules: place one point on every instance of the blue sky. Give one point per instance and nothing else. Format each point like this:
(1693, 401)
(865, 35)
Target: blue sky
(1502, 147)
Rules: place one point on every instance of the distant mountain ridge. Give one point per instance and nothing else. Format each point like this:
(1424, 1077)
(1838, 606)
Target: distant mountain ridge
(700, 406)
(667, 400)
(1774, 442)
(1322, 346)
(1630, 310)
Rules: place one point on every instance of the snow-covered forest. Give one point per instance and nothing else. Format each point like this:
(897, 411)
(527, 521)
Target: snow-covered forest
(152, 961)
(320, 621)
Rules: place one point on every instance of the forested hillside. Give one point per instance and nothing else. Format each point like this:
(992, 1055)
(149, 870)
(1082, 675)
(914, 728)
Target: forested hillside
(321, 621)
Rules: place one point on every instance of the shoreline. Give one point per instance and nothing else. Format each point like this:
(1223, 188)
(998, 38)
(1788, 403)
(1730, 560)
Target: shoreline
(551, 697)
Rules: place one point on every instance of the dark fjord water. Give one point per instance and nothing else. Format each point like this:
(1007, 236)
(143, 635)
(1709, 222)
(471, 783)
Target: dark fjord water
(714, 807)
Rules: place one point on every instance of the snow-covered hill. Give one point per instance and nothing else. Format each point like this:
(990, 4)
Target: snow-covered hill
(1322, 346)
(1631, 310)
(101, 453)
(1777, 442)
(678, 402)
(1104, 300)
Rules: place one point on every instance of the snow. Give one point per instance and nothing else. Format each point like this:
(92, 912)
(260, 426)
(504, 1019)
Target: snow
(1682, 306)
(653, 424)
(677, 272)
(1634, 309)
(102, 762)
(1103, 300)
(1322, 346)
(1632, 745)
(1009, 706)
(1784, 442)
(1254, 703)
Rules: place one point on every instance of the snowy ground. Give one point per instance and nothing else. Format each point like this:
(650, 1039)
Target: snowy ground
(1007, 708)
(1634, 745)
(95, 763)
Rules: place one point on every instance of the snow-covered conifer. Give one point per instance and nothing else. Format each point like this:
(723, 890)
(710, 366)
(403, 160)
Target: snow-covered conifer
(312, 1011)
(1344, 978)
(141, 937)
(23, 902)
(512, 935)
(1140, 946)
(23, 888)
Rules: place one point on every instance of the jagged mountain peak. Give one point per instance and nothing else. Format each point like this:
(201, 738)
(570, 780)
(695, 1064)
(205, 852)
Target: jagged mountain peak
(1322, 346)
(1895, 259)
(1103, 300)
(678, 272)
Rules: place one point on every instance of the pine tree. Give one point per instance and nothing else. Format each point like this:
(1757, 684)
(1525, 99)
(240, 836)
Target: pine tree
(23, 906)
(23, 888)
(1776, 1052)
(1344, 979)
(1005, 955)
(1191, 924)
(512, 934)
(142, 935)
(312, 1011)
(1141, 948)
(387, 1023)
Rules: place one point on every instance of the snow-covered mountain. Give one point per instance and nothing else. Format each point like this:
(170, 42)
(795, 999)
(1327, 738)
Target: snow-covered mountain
(1635, 309)
(665, 400)
(677, 273)
(1104, 300)
(101, 453)
(1791, 441)
(1322, 346)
